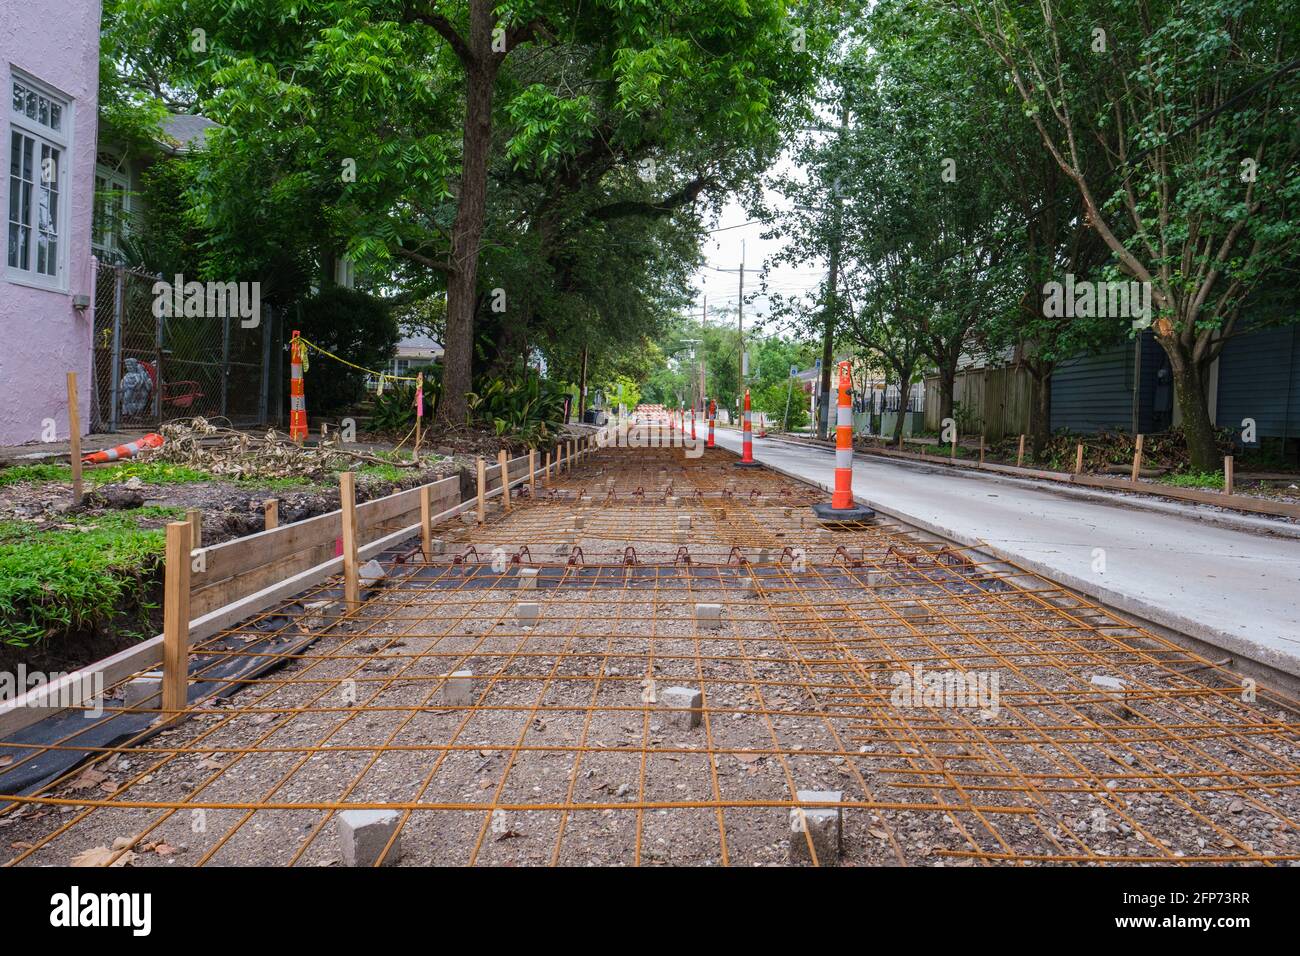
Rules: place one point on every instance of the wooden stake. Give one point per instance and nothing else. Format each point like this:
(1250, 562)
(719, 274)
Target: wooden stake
(1228, 476)
(74, 437)
(194, 517)
(1078, 459)
(176, 617)
(981, 448)
(348, 506)
(482, 491)
(505, 478)
(426, 525)
(419, 412)
(546, 470)
(954, 447)
(532, 471)
(1137, 459)
(271, 509)
(1020, 455)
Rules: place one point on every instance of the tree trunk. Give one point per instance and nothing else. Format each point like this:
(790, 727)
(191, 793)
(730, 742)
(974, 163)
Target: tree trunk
(1189, 390)
(1040, 412)
(947, 385)
(582, 387)
(904, 387)
(467, 228)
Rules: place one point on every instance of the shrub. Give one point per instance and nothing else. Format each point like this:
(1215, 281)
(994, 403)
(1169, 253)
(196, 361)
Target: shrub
(354, 326)
(519, 404)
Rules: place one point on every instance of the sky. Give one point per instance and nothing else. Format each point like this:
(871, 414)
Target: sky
(734, 235)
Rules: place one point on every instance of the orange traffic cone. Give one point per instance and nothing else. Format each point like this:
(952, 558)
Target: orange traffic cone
(130, 449)
(747, 431)
(842, 507)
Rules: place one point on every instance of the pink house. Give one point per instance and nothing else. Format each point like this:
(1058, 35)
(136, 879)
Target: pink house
(49, 78)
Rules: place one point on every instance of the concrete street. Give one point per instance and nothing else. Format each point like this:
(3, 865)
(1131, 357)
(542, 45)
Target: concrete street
(1235, 589)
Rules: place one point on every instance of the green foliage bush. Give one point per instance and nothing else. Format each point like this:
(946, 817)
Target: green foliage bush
(354, 326)
(54, 580)
(520, 405)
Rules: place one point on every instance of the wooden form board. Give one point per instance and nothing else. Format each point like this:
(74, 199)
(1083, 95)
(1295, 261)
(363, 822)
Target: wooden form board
(254, 582)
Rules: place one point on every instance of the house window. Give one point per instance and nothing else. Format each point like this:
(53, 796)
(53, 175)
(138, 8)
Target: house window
(35, 247)
(112, 212)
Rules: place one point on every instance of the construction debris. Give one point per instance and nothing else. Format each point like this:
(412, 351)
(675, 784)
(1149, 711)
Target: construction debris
(229, 453)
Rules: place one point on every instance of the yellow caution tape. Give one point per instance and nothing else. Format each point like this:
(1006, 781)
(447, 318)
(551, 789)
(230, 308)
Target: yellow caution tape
(359, 368)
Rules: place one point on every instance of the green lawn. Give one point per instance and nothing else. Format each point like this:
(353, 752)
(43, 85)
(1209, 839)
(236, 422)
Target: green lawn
(83, 572)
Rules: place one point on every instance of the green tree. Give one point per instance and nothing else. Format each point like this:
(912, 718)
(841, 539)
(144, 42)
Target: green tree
(1192, 104)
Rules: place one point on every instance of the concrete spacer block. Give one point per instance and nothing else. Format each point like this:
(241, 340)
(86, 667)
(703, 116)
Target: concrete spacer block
(708, 616)
(579, 521)
(528, 579)
(458, 689)
(363, 834)
(437, 546)
(876, 579)
(371, 574)
(1116, 694)
(915, 613)
(528, 612)
(140, 689)
(825, 824)
(683, 522)
(687, 704)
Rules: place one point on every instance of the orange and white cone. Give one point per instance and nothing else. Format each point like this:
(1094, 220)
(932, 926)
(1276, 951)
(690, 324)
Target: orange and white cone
(129, 450)
(842, 506)
(297, 398)
(747, 432)
(713, 411)
(692, 423)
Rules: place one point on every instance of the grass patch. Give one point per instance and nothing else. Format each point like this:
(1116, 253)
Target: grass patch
(20, 473)
(59, 579)
(149, 472)
(1213, 480)
(388, 473)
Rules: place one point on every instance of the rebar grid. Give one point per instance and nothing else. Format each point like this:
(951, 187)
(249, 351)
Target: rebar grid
(566, 754)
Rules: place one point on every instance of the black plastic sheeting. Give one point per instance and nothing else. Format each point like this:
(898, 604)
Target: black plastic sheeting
(74, 729)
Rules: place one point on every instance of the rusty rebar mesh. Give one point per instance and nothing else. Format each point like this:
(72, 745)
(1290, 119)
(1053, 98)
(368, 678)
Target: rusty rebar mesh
(949, 699)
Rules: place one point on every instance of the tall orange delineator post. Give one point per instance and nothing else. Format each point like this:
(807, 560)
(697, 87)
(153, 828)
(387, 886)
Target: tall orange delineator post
(713, 411)
(297, 399)
(692, 423)
(842, 506)
(747, 426)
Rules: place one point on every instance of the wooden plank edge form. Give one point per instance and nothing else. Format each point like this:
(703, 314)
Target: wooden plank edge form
(31, 707)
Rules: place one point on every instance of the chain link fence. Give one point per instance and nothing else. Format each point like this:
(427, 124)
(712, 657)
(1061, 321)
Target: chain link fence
(150, 368)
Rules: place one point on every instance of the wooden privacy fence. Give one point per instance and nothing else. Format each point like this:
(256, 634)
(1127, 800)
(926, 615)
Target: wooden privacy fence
(210, 589)
(993, 400)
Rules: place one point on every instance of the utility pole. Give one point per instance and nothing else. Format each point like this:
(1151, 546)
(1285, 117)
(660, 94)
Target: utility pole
(740, 326)
(832, 303)
(704, 313)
